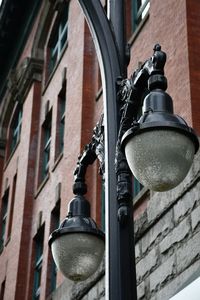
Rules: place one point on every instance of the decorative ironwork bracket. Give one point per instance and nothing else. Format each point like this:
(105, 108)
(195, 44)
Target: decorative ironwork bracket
(130, 95)
(92, 151)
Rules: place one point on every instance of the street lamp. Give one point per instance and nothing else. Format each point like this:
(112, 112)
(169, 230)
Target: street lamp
(159, 148)
(78, 245)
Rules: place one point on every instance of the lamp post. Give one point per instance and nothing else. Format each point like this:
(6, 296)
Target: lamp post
(122, 143)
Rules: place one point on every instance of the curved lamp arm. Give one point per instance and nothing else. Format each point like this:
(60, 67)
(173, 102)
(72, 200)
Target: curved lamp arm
(92, 151)
(108, 57)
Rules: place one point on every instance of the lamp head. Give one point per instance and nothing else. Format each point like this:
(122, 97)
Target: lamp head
(160, 148)
(77, 245)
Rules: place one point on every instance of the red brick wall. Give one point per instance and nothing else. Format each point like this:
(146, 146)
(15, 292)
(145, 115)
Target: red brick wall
(26, 240)
(167, 25)
(193, 31)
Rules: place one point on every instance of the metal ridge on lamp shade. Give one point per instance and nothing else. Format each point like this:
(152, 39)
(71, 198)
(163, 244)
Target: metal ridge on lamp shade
(77, 224)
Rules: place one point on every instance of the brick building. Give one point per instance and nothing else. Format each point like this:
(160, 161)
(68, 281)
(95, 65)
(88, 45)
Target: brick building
(50, 100)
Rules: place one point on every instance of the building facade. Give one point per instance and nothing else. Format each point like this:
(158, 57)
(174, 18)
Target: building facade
(50, 100)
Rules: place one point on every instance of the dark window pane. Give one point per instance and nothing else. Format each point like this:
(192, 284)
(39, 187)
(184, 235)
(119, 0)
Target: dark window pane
(46, 140)
(4, 212)
(58, 38)
(140, 9)
(2, 292)
(16, 129)
(39, 240)
(55, 221)
(137, 187)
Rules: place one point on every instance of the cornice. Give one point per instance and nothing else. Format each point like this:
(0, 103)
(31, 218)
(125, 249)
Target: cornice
(21, 79)
(19, 83)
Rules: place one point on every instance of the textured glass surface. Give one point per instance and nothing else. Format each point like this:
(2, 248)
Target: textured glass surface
(78, 255)
(160, 159)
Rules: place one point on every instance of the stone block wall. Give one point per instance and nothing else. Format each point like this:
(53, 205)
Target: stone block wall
(168, 239)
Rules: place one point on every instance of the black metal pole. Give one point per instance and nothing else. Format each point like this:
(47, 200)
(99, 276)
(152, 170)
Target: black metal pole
(110, 70)
(117, 17)
(110, 46)
(124, 195)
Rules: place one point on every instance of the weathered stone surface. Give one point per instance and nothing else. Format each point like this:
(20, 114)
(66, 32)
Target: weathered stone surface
(145, 265)
(177, 235)
(141, 290)
(162, 273)
(158, 203)
(140, 225)
(97, 292)
(195, 216)
(188, 253)
(174, 286)
(186, 203)
(137, 251)
(163, 226)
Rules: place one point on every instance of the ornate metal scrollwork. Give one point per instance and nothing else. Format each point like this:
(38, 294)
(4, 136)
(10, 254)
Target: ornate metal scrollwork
(93, 150)
(98, 140)
(130, 96)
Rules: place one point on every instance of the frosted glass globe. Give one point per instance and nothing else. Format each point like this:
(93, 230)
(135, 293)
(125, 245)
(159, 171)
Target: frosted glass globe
(160, 159)
(77, 255)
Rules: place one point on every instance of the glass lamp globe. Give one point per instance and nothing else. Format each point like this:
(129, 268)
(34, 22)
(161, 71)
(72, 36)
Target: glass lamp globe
(77, 255)
(160, 159)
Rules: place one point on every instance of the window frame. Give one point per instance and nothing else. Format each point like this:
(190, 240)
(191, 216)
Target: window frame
(4, 218)
(46, 139)
(55, 221)
(137, 12)
(3, 288)
(12, 203)
(14, 132)
(60, 124)
(137, 187)
(39, 247)
(58, 39)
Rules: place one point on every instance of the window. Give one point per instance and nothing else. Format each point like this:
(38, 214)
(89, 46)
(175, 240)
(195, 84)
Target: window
(140, 11)
(4, 215)
(51, 269)
(55, 221)
(15, 129)
(137, 187)
(39, 240)
(46, 144)
(58, 38)
(12, 205)
(2, 292)
(60, 121)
